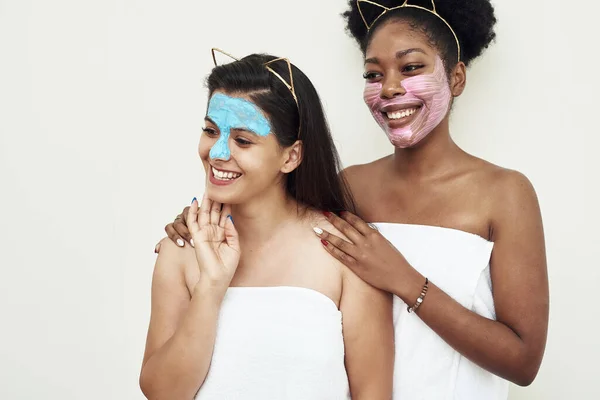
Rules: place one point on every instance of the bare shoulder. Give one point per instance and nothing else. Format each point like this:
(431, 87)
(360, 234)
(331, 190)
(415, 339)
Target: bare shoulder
(174, 265)
(349, 278)
(317, 219)
(363, 173)
(364, 179)
(507, 186)
(500, 183)
(513, 182)
(510, 194)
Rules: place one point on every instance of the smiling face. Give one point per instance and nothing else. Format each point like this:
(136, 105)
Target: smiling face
(240, 154)
(407, 89)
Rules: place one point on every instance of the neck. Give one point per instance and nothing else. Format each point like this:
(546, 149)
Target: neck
(258, 219)
(430, 158)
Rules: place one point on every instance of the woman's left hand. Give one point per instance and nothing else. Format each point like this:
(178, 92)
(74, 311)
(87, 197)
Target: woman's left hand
(370, 255)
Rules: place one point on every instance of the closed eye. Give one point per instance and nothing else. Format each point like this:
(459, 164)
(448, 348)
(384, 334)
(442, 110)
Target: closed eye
(242, 141)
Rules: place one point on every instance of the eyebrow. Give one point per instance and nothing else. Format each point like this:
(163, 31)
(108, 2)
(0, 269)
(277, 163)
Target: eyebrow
(248, 130)
(207, 118)
(399, 55)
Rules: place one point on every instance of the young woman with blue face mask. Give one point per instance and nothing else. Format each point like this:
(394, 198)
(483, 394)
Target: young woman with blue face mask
(458, 241)
(248, 313)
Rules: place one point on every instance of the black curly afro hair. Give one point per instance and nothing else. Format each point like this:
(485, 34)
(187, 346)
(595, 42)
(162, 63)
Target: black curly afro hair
(472, 20)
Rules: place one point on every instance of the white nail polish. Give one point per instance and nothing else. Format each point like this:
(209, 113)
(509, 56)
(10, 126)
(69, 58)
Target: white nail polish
(318, 230)
(180, 243)
(192, 242)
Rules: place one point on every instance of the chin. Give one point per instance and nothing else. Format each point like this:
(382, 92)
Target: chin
(223, 195)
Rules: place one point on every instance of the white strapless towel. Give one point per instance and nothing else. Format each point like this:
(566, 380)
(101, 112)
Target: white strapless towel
(426, 367)
(277, 343)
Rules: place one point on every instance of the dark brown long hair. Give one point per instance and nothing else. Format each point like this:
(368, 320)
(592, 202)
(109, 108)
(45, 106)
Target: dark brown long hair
(316, 182)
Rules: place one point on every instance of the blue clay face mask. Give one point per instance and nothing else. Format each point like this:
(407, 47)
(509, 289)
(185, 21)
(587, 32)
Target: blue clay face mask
(234, 113)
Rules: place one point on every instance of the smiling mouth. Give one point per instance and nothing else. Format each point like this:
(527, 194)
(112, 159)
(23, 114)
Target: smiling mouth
(400, 117)
(224, 175)
(396, 115)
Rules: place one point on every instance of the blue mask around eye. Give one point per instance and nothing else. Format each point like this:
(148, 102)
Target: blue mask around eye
(234, 113)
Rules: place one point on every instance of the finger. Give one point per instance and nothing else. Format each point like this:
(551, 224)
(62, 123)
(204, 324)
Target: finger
(157, 248)
(174, 236)
(346, 259)
(205, 211)
(192, 217)
(231, 234)
(215, 213)
(185, 232)
(348, 230)
(185, 210)
(357, 223)
(226, 212)
(341, 244)
(181, 228)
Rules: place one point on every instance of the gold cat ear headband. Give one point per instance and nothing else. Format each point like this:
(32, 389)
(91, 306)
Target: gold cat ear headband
(290, 85)
(404, 5)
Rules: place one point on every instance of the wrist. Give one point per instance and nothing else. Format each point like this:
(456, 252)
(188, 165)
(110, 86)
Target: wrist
(210, 290)
(409, 287)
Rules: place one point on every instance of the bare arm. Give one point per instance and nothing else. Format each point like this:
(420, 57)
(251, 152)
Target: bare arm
(513, 345)
(182, 330)
(368, 339)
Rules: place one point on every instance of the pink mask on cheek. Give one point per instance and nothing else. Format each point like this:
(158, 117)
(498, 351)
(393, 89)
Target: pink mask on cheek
(430, 91)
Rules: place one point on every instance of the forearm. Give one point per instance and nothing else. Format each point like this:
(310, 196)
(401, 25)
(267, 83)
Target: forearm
(368, 330)
(490, 344)
(178, 369)
(375, 391)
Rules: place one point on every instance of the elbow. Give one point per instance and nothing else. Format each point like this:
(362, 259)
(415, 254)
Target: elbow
(155, 388)
(145, 384)
(149, 386)
(525, 378)
(526, 372)
(524, 381)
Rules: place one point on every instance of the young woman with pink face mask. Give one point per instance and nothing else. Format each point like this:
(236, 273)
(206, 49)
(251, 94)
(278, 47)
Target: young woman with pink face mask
(458, 241)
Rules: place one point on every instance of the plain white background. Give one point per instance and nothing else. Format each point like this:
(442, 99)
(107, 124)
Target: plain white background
(101, 105)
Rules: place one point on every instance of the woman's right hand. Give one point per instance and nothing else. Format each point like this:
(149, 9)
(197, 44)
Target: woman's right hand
(178, 231)
(216, 243)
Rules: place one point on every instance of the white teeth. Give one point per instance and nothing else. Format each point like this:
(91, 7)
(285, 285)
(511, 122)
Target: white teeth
(225, 176)
(401, 114)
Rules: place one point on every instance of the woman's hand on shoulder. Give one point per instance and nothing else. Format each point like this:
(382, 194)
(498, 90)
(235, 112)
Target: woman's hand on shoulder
(365, 251)
(177, 231)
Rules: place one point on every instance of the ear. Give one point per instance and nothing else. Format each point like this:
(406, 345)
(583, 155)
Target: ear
(458, 79)
(292, 157)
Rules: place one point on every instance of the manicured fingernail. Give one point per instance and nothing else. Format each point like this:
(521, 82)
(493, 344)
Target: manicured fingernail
(318, 231)
(192, 242)
(193, 200)
(327, 214)
(157, 248)
(231, 218)
(324, 242)
(180, 243)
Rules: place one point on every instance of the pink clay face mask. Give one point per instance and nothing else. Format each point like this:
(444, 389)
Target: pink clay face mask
(426, 102)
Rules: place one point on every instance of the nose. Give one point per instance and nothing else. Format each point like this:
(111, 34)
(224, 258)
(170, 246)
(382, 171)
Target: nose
(392, 87)
(220, 150)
